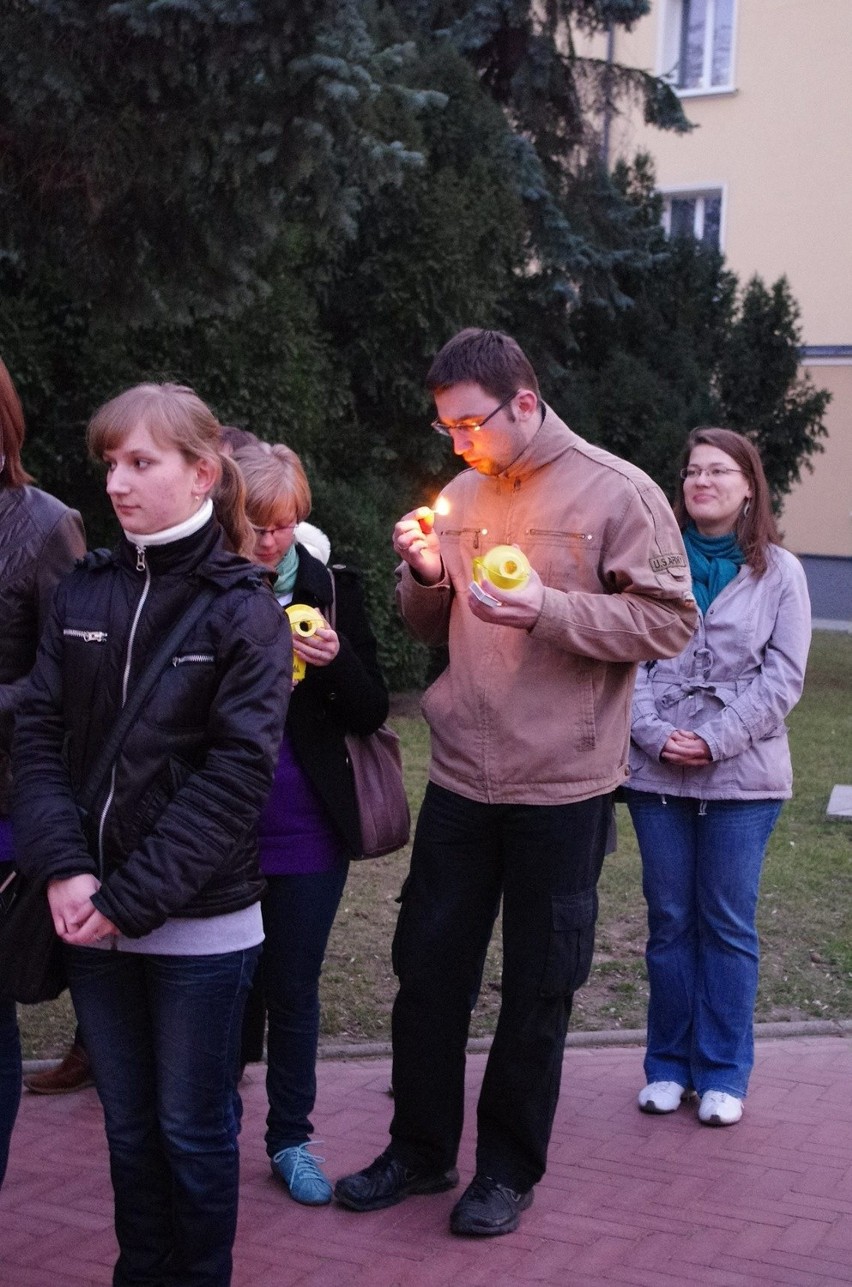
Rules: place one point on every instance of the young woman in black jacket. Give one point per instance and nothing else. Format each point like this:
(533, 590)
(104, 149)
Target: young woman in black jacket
(157, 896)
(309, 829)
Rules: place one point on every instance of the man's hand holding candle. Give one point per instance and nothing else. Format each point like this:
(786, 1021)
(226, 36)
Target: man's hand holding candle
(415, 541)
(519, 608)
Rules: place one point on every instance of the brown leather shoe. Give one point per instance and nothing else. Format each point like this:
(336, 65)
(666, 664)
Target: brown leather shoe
(74, 1073)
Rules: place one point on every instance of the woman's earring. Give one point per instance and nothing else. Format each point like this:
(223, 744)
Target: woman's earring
(747, 506)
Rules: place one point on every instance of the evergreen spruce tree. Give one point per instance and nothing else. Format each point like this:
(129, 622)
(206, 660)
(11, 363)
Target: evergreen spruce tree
(761, 390)
(151, 150)
(292, 205)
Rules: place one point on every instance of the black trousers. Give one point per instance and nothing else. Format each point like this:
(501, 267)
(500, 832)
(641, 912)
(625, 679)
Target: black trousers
(545, 862)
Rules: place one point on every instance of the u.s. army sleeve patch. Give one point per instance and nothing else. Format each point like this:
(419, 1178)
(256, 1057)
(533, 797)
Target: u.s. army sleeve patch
(665, 562)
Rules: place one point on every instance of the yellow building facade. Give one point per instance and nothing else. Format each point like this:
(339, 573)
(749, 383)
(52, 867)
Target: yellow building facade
(767, 174)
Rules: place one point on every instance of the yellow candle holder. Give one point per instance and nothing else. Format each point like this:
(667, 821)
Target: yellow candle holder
(505, 566)
(304, 622)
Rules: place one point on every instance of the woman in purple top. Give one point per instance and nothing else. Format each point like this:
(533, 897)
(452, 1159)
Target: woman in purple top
(39, 541)
(309, 829)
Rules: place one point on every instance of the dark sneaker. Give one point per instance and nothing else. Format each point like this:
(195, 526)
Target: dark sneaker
(386, 1181)
(487, 1208)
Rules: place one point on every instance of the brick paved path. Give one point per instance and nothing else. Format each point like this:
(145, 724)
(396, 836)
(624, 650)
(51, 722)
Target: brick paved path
(627, 1199)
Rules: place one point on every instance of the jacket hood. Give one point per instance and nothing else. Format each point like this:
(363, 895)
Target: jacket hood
(314, 540)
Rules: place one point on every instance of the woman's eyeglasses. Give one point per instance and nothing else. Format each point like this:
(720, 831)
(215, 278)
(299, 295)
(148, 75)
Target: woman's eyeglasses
(272, 531)
(715, 471)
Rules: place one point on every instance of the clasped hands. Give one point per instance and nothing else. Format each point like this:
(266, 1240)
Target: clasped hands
(687, 749)
(75, 917)
(415, 541)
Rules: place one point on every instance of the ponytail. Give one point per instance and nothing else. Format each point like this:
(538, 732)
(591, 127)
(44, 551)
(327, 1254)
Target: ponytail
(229, 503)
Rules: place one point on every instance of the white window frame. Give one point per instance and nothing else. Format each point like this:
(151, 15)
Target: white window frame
(696, 192)
(669, 49)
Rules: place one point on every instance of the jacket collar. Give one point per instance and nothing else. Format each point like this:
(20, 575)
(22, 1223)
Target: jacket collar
(552, 439)
(313, 580)
(202, 554)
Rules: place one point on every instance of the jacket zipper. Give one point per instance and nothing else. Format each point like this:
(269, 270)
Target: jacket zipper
(141, 566)
(546, 531)
(192, 656)
(461, 531)
(89, 636)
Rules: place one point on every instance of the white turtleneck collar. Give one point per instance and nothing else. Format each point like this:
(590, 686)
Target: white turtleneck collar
(192, 524)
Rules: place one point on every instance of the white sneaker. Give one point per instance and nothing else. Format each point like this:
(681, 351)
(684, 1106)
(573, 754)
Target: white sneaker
(717, 1108)
(661, 1096)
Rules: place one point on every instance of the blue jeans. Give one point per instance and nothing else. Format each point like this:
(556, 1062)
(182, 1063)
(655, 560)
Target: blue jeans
(701, 863)
(162, 1034)
(10, 1077)
(544, 860)
(298, 912)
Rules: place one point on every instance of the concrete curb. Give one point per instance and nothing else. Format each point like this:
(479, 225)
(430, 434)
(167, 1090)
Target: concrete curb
(609, 1037)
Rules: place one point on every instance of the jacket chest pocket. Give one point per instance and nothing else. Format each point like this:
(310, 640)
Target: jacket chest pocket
(182, 698)
(85, 653)
(566, 559)
(84, 634)
(459, 547)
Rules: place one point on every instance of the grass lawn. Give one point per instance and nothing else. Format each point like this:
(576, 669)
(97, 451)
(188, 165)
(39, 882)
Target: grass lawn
(805, 917)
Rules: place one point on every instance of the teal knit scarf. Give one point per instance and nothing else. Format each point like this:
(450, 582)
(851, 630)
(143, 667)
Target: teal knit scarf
(285, 573)
(714, 561)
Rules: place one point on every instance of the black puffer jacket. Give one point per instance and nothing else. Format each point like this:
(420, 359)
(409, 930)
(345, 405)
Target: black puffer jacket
(347, 696)
(40, 540)
(176, 826)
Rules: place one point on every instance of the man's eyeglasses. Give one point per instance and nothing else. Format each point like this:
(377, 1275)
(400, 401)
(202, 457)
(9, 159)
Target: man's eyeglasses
(272, 531)
(715, 471)
(470, 426)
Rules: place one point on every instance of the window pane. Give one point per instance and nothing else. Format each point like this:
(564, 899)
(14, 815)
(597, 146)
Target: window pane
(712, 221)
(693, 30)
(682, 217)
(723, 23)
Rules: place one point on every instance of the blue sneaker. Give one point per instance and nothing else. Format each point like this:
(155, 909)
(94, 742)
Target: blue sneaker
(302, 1174)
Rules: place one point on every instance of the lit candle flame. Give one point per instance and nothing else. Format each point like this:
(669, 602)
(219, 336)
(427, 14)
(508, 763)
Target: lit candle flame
(425, 515)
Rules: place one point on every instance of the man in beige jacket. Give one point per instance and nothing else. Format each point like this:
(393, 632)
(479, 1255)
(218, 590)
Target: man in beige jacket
(530, 726)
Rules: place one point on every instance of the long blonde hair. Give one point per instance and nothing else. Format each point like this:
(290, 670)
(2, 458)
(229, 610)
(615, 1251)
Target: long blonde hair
(175, 416)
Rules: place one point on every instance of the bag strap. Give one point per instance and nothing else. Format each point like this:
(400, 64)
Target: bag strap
(332, 616)
(140, 694)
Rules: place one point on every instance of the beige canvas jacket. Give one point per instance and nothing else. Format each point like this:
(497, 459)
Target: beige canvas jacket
(542, 716)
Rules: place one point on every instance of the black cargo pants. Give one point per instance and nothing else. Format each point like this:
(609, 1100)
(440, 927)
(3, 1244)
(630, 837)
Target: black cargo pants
(545, 861)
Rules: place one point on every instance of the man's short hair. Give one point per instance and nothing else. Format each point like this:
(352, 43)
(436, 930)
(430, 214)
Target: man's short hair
(494, 361)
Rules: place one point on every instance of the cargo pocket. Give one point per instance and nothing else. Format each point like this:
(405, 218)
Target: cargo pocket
(572, 942)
